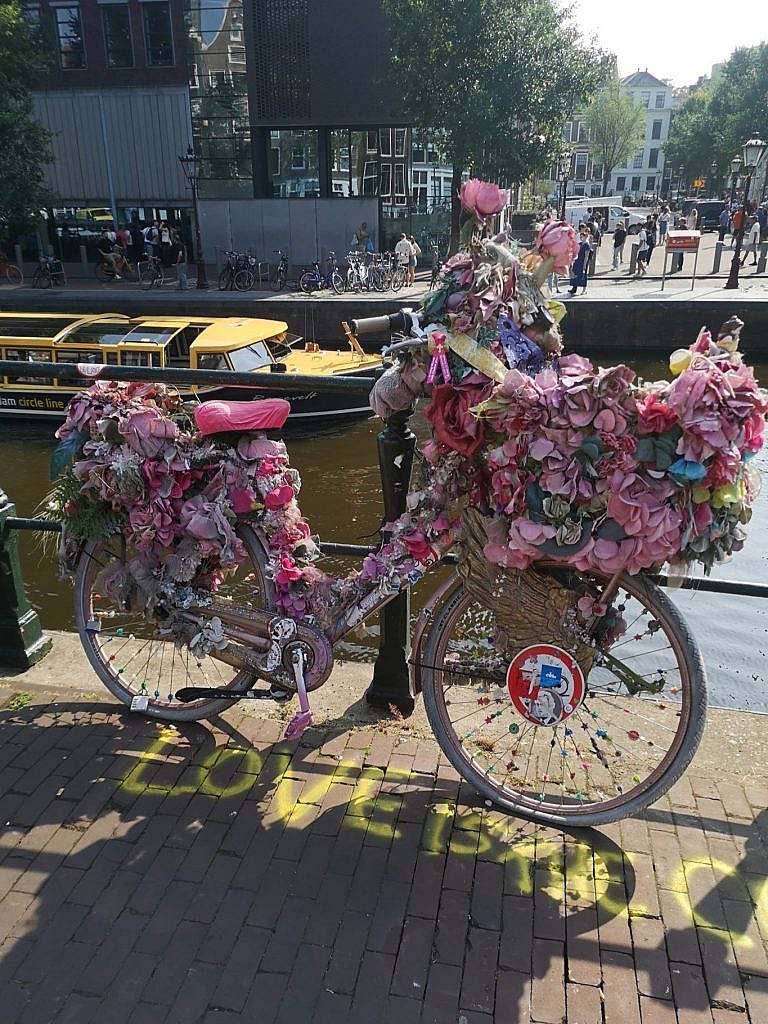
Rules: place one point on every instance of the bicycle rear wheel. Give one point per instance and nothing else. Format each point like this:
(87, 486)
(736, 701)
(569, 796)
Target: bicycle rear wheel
(130, 656)
(277, 281)
(337, 282)
(588, 749)
(308, 282)
(13, 274)
(243, 280)
(398, 279)
(147, 275)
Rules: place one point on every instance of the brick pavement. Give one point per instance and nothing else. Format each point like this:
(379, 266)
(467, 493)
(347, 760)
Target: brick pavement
(216, 874)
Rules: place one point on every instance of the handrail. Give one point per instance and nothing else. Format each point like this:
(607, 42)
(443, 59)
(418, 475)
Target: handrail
(300, 382)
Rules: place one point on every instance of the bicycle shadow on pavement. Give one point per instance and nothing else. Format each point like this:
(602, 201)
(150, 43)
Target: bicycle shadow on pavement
(216, 868)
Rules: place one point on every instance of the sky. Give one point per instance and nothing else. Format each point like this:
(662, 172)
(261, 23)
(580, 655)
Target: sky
(672, 39)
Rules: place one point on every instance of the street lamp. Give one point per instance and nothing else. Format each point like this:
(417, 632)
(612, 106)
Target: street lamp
(751, 154)
(563, 177)
(191, 173)
(713, 179)
(680, 173)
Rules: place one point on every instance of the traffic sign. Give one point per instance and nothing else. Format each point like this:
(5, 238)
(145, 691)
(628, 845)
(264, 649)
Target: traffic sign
(699, 182)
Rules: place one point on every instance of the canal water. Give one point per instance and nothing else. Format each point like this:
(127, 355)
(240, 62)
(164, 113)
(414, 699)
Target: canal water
(341, 498)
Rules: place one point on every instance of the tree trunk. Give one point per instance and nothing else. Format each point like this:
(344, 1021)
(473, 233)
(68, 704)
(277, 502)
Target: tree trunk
(606, 181)
(456, 173)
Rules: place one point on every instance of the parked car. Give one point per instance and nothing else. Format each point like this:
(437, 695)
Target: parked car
(709, 212)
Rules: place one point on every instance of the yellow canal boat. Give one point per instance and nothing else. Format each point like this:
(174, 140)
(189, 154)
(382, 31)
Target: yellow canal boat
(246, 344)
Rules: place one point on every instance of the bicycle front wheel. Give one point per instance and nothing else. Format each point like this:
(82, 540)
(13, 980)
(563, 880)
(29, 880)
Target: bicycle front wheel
(147, 274)
(308, 283)
(398, 279)
(13, 274)
(243, 280)
(337, 282)
(130, 655)
(600, 739)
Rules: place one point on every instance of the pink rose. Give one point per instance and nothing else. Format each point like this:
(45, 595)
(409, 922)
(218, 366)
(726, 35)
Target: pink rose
(654, 416)
(418, 546)
(483, 198)
(288, 572)
(560, 242)
(279, 497)
(452, 423)
(754, 432)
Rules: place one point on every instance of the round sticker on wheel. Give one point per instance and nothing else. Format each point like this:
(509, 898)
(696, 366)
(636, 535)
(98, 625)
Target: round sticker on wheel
(545, 683)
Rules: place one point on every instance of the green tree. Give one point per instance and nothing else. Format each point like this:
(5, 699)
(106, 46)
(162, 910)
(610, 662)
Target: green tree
(712, 123)
(24, 144)
(616, 125)
(498, 78)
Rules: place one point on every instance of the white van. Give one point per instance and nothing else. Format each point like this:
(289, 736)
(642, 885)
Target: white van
(609, 207)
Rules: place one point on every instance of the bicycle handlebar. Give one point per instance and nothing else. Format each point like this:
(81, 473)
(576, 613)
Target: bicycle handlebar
(401, 322)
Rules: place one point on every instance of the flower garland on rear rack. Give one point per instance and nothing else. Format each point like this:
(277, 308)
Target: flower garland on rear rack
(592, 467)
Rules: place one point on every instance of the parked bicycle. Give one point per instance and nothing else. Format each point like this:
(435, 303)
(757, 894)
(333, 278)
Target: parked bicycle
(279, 276)
(237, 273)
(122, 267)
(357, 272)
(9, 272)
(151, 273)
(50, 273)
(315, 279)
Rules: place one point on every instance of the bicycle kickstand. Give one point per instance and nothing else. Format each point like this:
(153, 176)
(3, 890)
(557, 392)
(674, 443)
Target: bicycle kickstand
(303, 716)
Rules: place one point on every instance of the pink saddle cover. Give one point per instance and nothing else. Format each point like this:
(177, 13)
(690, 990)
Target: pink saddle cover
(264, 414)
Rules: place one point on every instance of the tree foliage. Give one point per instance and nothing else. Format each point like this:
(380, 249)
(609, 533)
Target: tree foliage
(498, 78)
(713, 123)
(617, 127)
(24, 144)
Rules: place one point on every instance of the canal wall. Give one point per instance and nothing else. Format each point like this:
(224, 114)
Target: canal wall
(642, 326)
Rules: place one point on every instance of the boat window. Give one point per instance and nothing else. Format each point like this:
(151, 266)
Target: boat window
(212, 361)
(148, 334)
(103, 333)
(253, 357)
(30, 355)
(32, 327)
(140, 358)
(83, 356)
(178, 347)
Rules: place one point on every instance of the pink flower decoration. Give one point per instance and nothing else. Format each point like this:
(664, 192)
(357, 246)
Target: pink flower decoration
(418, 546)
(560, 242)
(654, 416)
(288, 573)
(483, 198)
(279, 497)
(242, 500)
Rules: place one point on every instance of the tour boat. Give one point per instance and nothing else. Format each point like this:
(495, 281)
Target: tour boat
(205, 343)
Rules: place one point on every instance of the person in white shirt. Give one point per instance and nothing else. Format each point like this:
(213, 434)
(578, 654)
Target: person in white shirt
(751, 240)
(404, 253)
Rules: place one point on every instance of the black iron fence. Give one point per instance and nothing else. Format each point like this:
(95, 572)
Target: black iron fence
(21, 638)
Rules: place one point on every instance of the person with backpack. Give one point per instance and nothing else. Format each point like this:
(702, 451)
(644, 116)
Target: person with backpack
(619, 238)
(152, 238)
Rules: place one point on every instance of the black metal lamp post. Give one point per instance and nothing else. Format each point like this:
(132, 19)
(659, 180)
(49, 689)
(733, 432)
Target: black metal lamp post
(713, 180)
(680, 173)
(752, 152)
(563, 177)
(190, 168)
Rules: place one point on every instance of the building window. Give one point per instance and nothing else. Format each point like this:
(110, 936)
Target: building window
(371, 142)
(621, 183)
(420, 189)
(294, 167)
(237, 54)
(386, 180)
(370, 177)
(117, 35)
(578, 190)
(660, 100)
(636, 184)
(567, 131)
(594, 190)
(656, 130)
(69, 33)
(597, 172)
(638, 160)
(157, 34)
(385, 142)
(298, 157)
(399, 141)
(653, 158)
(580, 167)
(645, 98)
(400, 193)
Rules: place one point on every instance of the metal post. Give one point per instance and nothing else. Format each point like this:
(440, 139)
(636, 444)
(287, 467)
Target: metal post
(391, 682)
(633, 258)
(21, 637)
(202, 277)
(718, 257)
(108, 162)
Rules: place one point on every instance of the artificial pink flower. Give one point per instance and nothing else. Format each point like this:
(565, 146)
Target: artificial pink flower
(288, 572)
(559, 241)
(452, 423)
(242, 500)
(483, 198)
(418, 546)
(654, 416)
(279, 497)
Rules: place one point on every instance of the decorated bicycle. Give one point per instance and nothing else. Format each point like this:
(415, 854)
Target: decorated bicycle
(558, 679)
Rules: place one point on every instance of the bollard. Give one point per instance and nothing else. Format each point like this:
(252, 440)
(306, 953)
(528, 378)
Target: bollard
(19, 257)
(762, 258)
(21, 638)
(633, 259)
(391, 682)
(718, 256)
(84, 259)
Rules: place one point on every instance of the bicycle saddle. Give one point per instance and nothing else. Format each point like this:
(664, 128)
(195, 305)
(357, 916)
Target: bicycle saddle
(263, 414)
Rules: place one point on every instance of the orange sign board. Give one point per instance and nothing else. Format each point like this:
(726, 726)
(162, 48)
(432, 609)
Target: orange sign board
(683, 241)
(699, 182)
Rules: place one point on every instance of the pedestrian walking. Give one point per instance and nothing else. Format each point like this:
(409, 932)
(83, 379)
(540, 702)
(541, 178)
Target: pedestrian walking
(619, 239)
(751, 240)
(124, 238)
(642, 253)
(403, 255)
(152, 238)
(179, 252)
(412, 262)
(650, 235)
(665, 218)
(723, 223)
(692, 219)
(580, 268)
(137, 241)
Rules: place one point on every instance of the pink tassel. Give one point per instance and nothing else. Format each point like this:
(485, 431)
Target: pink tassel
(439, 361)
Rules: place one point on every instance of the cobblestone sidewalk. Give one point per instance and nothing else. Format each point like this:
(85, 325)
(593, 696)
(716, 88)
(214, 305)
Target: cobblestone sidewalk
(216, 874)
